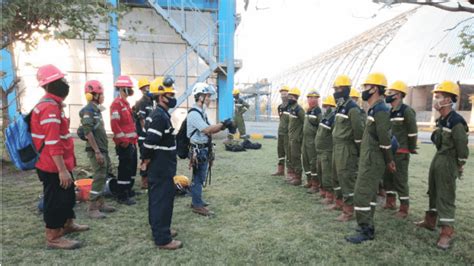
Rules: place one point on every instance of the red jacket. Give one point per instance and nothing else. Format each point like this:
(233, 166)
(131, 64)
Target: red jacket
(50, 127)
(121, 120)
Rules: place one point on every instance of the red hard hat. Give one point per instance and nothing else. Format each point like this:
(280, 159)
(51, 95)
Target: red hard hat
(124, 81)
(47, 74)
(93, 86)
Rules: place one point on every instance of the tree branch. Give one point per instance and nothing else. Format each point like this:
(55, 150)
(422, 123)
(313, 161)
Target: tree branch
(459, 8)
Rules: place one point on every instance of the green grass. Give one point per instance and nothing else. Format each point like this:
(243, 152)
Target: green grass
(259, 220)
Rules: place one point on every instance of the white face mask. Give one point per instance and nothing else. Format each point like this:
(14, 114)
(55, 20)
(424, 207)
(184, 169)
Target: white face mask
(101, 107)
(437, 103)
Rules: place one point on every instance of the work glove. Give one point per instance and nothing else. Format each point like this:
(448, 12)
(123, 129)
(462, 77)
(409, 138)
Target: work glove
(229, 124)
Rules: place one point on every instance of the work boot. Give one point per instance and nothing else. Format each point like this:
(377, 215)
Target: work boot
(390, 202)
(280, 170)
(289, 174)
(104, 207)
(93, 210)
(296, 181)
(308, 184)
(202, 211)
(329, 198)
(429, 222)
(323, 193)
(70, 227)
(445, 237)
(55, 240)
(365, 233)
(144, 182)
(402, 212)
(347, 213)
(126, 200)
(337, 206)
(173, 245)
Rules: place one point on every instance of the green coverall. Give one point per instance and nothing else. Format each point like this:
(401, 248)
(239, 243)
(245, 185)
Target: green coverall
(310, 127)
(347, 136)
(283, 134)
(91, 121)
(403, 119)
(375, 154)
(324, 148)
(295, 135)
(451, 140)
(240, 108)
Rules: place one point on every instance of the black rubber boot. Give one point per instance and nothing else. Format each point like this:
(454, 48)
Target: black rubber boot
(365, 233)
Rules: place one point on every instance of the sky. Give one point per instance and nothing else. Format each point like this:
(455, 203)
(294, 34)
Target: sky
(275, 35)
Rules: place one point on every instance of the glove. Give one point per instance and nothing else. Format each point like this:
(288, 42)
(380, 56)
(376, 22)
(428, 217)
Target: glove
(229, 124)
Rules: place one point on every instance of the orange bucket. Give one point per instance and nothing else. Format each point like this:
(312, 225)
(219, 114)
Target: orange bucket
(84, 187)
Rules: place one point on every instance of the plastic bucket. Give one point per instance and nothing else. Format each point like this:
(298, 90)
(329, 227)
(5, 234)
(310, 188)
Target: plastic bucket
(84, 187)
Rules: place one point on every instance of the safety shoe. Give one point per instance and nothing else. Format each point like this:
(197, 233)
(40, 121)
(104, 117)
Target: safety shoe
(289, 174)
(445, 237)
(323, 193)
(173, 245)
(93, 211)
(144, 184)
(104, 207)
(280, 171)
(202, 211)
(329, 199)
(390, 202)
(366, 233)
(429, 222)
(402, 212)
(337, 206)
(70, 227)
(347, 213)
(55, 240)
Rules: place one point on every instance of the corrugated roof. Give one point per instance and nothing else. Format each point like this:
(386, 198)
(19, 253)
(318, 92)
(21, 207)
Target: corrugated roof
(406, 48)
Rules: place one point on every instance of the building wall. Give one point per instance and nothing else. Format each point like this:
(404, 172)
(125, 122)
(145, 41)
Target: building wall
(155, 46)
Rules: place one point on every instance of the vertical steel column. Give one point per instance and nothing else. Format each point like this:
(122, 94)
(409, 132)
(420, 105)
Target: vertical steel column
(226, 17)
(114, 43)
(7, 67)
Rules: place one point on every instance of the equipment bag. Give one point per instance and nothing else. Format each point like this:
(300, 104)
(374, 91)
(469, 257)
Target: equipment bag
(19, 143)
(182, 140)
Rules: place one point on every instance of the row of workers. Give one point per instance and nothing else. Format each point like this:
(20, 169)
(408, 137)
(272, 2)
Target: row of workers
(350, 155)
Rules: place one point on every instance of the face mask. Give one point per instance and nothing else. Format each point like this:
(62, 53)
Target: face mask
(438, 105)
(171, 102)
(59, 88)
(366, 95)
(101, 107)
(390, 98)
(344, 95)
(291, 101)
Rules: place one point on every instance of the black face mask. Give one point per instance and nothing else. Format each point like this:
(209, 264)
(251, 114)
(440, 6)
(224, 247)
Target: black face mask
(59, 88)
(390, 98)
(171, 102)
(341, 95)
(291, 101)
(366, 95)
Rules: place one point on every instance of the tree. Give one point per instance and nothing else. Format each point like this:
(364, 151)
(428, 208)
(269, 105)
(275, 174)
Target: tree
(27, 21)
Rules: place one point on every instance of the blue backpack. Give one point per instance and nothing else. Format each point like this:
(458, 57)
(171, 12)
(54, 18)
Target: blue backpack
(19, 143)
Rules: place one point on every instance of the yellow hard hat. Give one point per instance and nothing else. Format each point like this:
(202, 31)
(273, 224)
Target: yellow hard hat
(285, 88)
(354, 93)
(399, 86)
(157, 87)
(376, 79)
(312, 93)
(295, 91)
(143, 82)
(329, 101)
(235, 92)
(448, 87)
(342, 81)
(181, 181)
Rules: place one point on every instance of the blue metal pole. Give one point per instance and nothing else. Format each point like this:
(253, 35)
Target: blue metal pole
(7, 67)
(226, 17)
(114, 43)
